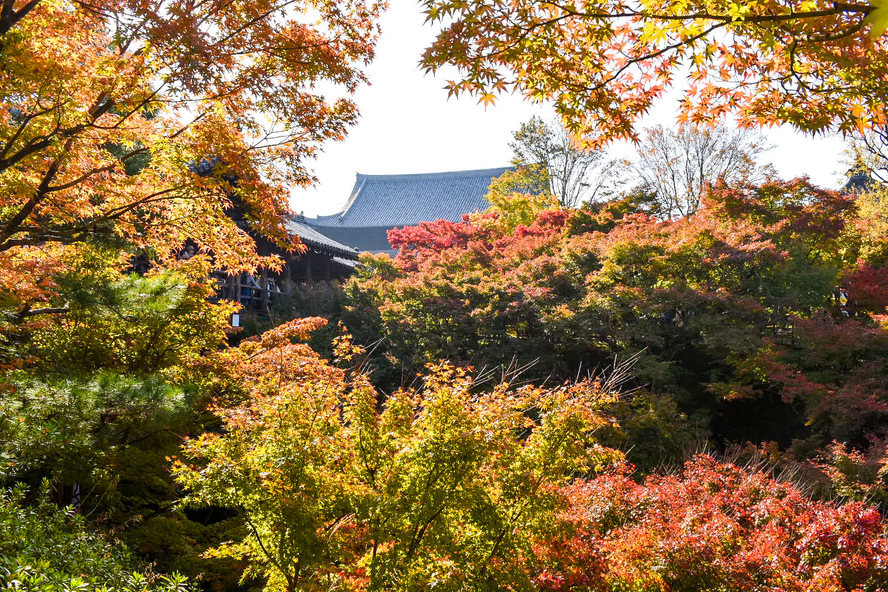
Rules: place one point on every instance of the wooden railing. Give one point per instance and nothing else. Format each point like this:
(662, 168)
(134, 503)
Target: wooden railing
(251, 293)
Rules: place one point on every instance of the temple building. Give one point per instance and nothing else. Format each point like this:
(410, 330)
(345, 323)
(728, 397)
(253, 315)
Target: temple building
(379, 203)
(324, 260)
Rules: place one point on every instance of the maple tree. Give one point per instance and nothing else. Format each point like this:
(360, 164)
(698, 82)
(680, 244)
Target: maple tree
(342, 487)
(146, 124)
(735, 312)
(871, 226)
(517, 197)
(854, 474)
(713, 526)
(127, 129)
(130, 127)
(815, 64)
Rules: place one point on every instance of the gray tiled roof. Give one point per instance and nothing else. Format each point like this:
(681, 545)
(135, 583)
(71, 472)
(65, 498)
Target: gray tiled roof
(205, 167)
(313, 238)
(858, 182)
(401, 200)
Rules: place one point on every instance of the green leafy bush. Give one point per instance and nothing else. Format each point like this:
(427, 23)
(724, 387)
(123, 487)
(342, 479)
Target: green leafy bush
(47, 549)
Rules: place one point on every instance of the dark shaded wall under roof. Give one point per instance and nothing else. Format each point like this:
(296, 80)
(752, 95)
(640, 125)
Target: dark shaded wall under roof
(379, 203)
(370, 238)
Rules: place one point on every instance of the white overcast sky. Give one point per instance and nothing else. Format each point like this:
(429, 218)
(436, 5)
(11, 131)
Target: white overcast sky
(408, 125)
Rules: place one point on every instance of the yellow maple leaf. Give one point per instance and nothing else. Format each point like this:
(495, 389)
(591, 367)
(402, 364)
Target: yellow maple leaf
(487, 99)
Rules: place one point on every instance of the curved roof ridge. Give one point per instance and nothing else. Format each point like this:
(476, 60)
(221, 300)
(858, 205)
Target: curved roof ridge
(493, 172)
(356, 191)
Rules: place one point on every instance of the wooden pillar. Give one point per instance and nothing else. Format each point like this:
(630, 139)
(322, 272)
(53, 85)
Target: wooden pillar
(263, 288)
(230, 293)
(287, 278)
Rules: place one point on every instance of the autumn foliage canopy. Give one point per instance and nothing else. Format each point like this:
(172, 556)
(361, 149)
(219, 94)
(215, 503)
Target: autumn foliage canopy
(711, 527)
(817, 65)
(143, 125)
(766, 301)
(342, 487)
(516, 361)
